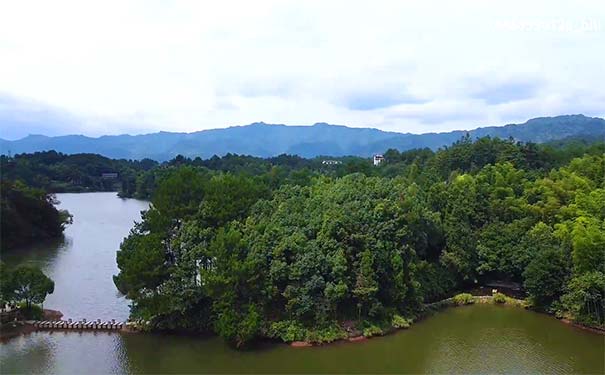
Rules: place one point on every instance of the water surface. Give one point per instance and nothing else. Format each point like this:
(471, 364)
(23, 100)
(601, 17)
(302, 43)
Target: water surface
(83, 262)
(472, 339)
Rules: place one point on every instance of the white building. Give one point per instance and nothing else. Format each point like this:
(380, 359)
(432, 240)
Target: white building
(331, 162)
(378, 159)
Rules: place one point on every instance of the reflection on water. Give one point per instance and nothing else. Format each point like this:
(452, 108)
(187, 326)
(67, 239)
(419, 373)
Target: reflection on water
(83, 262)
(41, 254)
(474, 339)
(65, 353)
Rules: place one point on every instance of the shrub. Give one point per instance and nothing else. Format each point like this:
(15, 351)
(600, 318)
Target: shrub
(33, 312)
(499, 298)
(372, 330)
(584, 300)
(326, 334)
(287, 330)
(400, 322)
(464, 299)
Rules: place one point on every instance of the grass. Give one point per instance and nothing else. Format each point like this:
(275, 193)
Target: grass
(463, 299)
(33, 312)
(400, 322)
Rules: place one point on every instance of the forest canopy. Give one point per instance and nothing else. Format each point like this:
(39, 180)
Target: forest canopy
(61, 173)
(28, 215)
(293, 253)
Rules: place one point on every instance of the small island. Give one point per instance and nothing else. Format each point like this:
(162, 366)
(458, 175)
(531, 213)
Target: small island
(313, 256)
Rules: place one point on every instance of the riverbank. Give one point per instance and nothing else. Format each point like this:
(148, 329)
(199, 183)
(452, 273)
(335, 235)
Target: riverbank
(353, 334)
(20, 327)
(356, 334)
(459, 300)
(481, 338)
(583, 327)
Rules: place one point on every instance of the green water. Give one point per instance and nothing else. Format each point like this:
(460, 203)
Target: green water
(475, 339)
(472, 339)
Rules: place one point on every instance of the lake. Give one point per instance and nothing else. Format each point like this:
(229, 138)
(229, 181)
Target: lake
(473, 339)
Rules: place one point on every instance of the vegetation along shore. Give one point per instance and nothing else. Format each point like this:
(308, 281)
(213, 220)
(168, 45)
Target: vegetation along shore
(290, 256)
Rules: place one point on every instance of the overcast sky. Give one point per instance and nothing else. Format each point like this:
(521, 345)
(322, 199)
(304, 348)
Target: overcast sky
(108, 67)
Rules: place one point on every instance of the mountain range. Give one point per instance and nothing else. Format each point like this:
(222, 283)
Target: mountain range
(265, 140)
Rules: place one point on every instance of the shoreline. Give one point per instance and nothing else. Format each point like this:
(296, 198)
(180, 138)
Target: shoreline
(436, 307)
(20, 328)
(581, 326)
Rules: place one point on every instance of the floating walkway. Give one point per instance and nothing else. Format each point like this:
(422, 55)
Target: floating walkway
(79, 325)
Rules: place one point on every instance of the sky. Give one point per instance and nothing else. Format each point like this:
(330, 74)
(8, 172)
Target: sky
(116, 67)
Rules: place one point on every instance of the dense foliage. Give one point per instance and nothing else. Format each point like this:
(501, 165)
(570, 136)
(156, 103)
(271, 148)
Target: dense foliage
(294, 170)
(27, 286)
(248, 254)
(60, 173)
(28, 215)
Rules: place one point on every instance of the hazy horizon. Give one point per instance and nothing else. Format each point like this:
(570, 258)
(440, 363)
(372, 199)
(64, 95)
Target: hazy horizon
(134, 67)
(469, 128)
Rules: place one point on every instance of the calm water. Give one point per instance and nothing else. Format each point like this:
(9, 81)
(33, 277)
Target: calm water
(83, 262)
(475, 339)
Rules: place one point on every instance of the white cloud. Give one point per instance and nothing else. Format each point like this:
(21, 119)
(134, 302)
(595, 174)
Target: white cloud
(409, 66)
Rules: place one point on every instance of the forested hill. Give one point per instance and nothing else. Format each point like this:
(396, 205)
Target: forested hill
(304, 255)
(264, 140)
(60, 173)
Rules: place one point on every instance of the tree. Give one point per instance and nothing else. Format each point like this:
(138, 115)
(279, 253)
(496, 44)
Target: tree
(545, 277)
(31, 285)
(546, 274)
(141, 260)
(585, 298)
(503, 251)
(460, 219)
(7, 288)
(588, 238)
(365, 285)
(28, 215)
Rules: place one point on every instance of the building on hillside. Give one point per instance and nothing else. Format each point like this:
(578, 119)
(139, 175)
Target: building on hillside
(331, 162)
(378, 159)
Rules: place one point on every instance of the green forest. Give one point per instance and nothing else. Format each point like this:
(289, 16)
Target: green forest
(298, 250)
(55, 172)
(28, 215)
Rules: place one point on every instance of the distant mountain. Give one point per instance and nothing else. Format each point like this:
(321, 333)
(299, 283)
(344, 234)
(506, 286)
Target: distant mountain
(264, 140)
